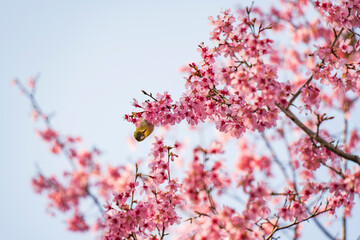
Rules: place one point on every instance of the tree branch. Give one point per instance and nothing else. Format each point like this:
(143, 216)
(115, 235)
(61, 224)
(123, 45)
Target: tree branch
(337, 35)
(276, 228)
(35, 105)
(312, 135)
(299, 92)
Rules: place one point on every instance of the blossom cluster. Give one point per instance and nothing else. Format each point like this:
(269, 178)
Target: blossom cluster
(340, 14)
(232, 86)
(140, 210)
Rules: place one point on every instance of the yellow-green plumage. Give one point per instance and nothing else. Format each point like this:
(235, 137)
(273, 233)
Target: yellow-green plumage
(143, 130)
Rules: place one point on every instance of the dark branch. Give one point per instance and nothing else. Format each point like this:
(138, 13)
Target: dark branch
(312, 135)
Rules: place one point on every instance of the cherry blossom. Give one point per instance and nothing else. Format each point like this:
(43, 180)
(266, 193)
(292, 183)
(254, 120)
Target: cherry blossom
(280, 87)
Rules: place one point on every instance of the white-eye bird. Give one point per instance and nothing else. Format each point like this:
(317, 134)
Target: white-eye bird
(144, 129)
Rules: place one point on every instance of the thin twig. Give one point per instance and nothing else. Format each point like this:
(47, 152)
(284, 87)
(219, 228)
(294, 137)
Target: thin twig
(149, 95)
(133, 191)
(35, 105)
(337, 35)
(289, 155)
(276, 228)
(333, 169)
(322, 228)
(95, 200)
(168, 152)
(299, 92)
(276, 159)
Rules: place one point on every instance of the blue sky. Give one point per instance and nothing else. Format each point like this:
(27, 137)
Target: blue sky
(93, 58)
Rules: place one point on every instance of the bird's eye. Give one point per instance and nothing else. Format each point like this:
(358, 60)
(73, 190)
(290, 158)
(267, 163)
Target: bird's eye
(142, 137)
